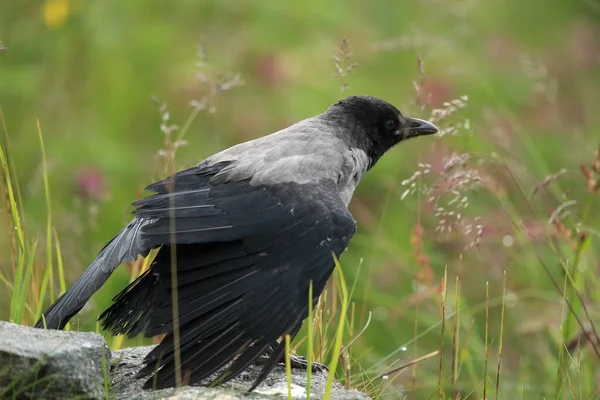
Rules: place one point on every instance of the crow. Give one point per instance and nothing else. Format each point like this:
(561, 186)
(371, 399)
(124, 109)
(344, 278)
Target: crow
(247, 230)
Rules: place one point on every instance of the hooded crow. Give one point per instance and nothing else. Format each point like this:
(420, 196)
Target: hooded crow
(248, 229)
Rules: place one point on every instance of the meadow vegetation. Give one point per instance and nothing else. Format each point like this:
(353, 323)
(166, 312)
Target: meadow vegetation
(475, 271)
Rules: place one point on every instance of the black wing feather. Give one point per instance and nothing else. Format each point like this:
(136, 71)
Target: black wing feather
(245, 258)
(239, 293)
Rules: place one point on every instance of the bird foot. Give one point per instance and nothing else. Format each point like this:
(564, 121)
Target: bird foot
(299, 362)
(296, 361)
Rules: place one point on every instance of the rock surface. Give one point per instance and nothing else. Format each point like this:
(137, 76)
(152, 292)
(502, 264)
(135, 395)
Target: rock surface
(46, 364)
(127, 362)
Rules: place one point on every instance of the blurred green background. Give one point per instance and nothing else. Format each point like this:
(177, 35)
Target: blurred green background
(89, 71)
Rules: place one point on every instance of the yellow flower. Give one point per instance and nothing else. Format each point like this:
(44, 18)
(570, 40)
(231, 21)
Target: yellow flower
(55, 12)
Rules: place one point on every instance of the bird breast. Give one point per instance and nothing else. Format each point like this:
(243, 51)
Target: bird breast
(356, 164)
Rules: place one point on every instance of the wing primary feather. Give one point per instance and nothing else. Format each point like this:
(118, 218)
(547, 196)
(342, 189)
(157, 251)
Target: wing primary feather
(242, 362)
(274, 358)
(165, 352)
(218, 351)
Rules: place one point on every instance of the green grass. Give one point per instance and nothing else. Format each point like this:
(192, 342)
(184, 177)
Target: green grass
(309, 341)
(339, 334)
(288, 366)
(500, 314)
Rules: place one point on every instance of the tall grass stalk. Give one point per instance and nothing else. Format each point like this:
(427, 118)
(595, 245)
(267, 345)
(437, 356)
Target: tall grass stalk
(416, 347)
(13, 193)
(573, 280)
(309, 341)
(441, 383)
(340, 328)
(59, 264)
(13, 207)
(175, 297)
(455, 337)
(22, 283)
(23, 267)
(486, 351)
(47, 279)
(500, 345)
(288, 366)
(562, 352)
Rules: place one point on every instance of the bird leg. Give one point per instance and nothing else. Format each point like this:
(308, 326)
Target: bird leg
(296, 361)
(300, 362)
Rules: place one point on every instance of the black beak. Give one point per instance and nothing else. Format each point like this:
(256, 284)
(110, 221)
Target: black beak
(418, 127)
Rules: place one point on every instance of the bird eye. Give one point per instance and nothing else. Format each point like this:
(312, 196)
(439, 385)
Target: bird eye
(391, 125)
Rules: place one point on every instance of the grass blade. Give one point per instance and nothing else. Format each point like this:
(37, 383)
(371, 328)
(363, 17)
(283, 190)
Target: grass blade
(288, 367)
(21, 294)
(340, 329)
(486, 351)
(59, 263)
(443, 311)
(501, 337)
(14, 209)
(47, 279)
(309, 340)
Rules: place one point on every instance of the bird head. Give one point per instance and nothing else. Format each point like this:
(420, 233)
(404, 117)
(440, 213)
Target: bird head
(375, 125)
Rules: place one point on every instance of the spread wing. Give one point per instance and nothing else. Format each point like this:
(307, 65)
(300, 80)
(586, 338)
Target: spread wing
(245, 256)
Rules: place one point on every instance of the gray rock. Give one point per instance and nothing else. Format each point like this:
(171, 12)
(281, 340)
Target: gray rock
(127, 362)
(49, 364)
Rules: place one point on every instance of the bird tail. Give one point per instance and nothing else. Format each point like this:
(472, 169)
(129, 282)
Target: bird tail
(123, 247)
